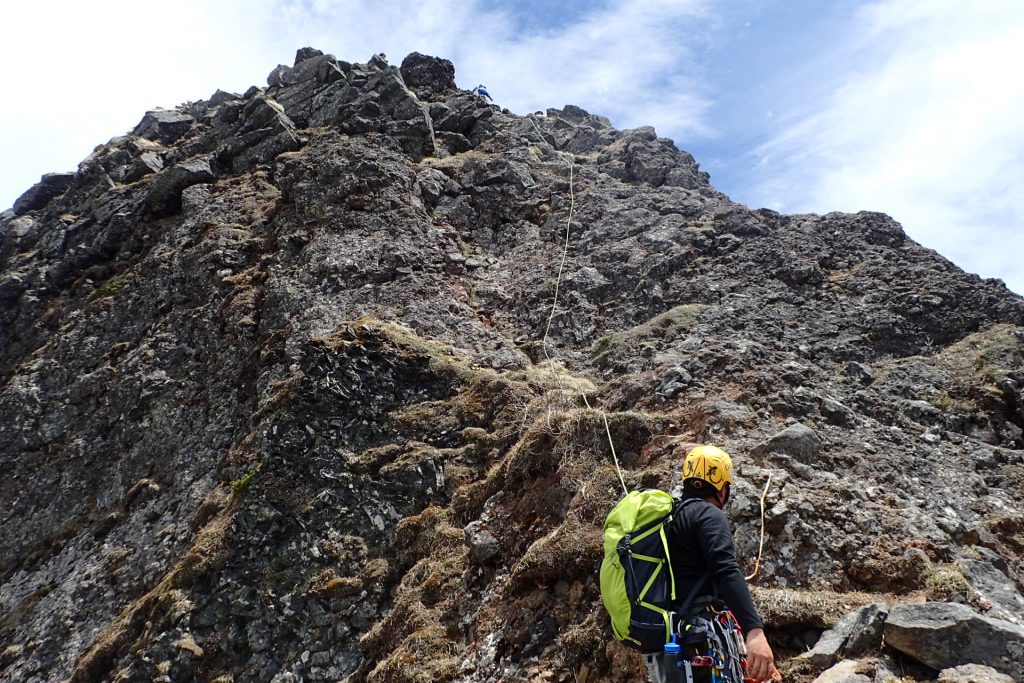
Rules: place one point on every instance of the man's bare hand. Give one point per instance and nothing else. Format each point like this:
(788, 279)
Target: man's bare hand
(760, 660)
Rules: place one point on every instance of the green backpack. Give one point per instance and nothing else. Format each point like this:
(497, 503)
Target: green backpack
(637, 584)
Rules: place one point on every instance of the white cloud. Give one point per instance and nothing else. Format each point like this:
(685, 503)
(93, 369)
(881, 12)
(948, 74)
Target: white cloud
(79, 73)
(926, 125)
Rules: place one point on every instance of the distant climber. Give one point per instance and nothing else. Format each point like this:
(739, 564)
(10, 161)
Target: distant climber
(704, 564)
(481, 92)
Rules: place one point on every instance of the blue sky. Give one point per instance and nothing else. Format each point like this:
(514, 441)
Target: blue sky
(911, 107)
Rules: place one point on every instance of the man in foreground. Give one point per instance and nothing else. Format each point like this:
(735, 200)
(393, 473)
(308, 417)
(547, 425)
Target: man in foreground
(703, 557)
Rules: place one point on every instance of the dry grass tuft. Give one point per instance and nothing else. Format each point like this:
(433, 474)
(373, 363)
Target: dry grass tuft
(818, 609)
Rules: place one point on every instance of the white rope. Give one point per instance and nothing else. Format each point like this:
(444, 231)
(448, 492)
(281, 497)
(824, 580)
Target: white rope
(547, 330)
(760, 545)
(558, 284)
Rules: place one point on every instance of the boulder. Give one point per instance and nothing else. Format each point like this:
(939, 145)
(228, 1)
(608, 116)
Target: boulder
(483, 546)
(163, 125)
(675, 380)
(431, 78)
(845, 671)
(298, 89)
(945, 634)
(357, 99)
(856, 633)
(40, 194)
(859, 372)
(972, 673)
(304, 53)
(798, 440)
(262, 132)
(164, 196)
(993, 587)
(886, 669)
(640, 156)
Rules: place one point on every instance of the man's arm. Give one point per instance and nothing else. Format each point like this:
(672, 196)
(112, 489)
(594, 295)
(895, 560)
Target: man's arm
(715, 539)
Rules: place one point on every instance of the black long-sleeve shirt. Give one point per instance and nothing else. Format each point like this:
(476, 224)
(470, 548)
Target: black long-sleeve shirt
(700, 542)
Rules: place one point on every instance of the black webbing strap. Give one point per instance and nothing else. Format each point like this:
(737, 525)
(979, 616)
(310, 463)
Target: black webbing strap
(691, 595)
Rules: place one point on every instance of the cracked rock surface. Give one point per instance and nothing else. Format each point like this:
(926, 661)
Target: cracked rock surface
(276, 401)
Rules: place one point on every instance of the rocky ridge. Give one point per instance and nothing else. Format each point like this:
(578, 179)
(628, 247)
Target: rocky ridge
(274, 403)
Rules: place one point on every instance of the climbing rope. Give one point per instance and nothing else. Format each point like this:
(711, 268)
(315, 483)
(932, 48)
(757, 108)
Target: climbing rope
(760, 545)
(558, 285)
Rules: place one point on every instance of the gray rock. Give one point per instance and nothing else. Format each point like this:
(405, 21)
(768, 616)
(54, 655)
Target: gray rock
(727, 416)
(973, 673)
(854, 634)
(921, 411)
(843, 672)
(147, 163)
(676, 379)
(482, 544)
(39, 195)
(262, 132)
(860, 372)
(798, 440)
(294, 359)
(994, 588)
(220, 97)
(430, 78)
(867, 633)
(304, 53)
(887, 670)
(944, 635)
(164, 197)
(164, 125)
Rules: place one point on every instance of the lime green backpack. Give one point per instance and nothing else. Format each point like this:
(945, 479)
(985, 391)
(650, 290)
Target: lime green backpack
(637, 584)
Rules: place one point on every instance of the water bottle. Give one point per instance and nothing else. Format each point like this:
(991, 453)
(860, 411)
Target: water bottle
(671, 660)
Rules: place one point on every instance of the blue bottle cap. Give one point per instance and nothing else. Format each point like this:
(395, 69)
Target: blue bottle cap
(672, 647)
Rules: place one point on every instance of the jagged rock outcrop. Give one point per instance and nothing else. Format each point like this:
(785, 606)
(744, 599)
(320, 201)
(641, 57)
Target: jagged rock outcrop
(856, 633)
(947, 635)
(275, 402)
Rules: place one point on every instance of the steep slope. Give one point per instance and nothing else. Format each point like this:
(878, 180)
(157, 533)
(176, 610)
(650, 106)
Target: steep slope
(274, 402)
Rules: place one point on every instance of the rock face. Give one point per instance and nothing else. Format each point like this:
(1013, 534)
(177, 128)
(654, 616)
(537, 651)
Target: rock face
(854, 634)
(276, 403)
(973, 673)
(39, 195)
(946, 635)
(845, 671)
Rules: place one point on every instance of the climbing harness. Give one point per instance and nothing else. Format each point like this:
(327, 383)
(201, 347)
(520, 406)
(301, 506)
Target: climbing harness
(711, 640)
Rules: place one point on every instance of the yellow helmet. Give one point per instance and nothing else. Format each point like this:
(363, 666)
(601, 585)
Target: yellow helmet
(710, 464)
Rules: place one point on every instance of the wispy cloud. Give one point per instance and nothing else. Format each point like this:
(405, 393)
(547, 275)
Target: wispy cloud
(924, 125)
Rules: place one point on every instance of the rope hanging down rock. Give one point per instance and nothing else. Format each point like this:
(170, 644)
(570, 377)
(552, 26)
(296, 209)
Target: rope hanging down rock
(558, 285)
(760, 544)
(547, 331)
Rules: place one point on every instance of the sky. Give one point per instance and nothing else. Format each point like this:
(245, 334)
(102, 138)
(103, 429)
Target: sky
(910, 107)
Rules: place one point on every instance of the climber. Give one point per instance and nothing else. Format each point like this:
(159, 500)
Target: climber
(481, 92)
(701, 551)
